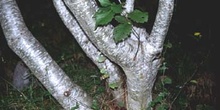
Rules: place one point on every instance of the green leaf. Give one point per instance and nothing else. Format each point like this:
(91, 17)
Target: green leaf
(121, 19)
(121, 32)
(167, 80)
(168, 45)
(162, 107)
(194, 81)
(103, 16)
(105, 3)
(158, 99)
(113, 85)
(76, 107)
(95, 105)
(138, 16)
(152, 103)
(162, 94)
(116, 8)
(163, 68)
(105, 76)
(101, 58)
(103, 71)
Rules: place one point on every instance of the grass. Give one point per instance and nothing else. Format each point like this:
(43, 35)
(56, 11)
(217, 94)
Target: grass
(84, 73)
(32, 98)
(36, 97)
(57, 40)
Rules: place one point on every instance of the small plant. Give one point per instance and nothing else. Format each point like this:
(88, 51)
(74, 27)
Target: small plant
(160, 101)
(111, 11)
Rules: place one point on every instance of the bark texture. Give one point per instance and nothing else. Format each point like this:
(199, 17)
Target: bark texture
(139, 57)
(22, 42)
(114, 72)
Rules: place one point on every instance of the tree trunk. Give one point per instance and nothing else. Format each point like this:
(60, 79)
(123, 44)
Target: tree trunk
(22, 42)
(114, 72)
(139, 57)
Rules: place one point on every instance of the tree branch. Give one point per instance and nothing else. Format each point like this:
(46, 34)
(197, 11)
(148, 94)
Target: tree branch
(22, 42)
(91, 51)
(161, 25)
(102, 37)
(129, 6)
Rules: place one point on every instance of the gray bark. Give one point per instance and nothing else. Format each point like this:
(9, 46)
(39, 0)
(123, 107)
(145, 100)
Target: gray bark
(22, 42)
(139, 59)
(114, 72)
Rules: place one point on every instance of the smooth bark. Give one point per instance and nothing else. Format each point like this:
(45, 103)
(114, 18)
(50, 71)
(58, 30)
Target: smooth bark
(138, 56)
(114, 72)
(22, 42)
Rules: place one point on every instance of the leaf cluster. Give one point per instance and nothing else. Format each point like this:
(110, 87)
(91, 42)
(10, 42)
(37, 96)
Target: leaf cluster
(110, 10)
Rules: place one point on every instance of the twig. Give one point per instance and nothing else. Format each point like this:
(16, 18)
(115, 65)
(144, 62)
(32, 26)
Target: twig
(138, 37)
(184, 85)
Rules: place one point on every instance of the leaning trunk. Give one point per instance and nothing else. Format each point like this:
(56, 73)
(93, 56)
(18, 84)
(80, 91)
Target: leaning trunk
(114, 72)
(46, 70)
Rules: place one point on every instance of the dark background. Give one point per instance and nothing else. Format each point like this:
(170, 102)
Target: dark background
(189, 16)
